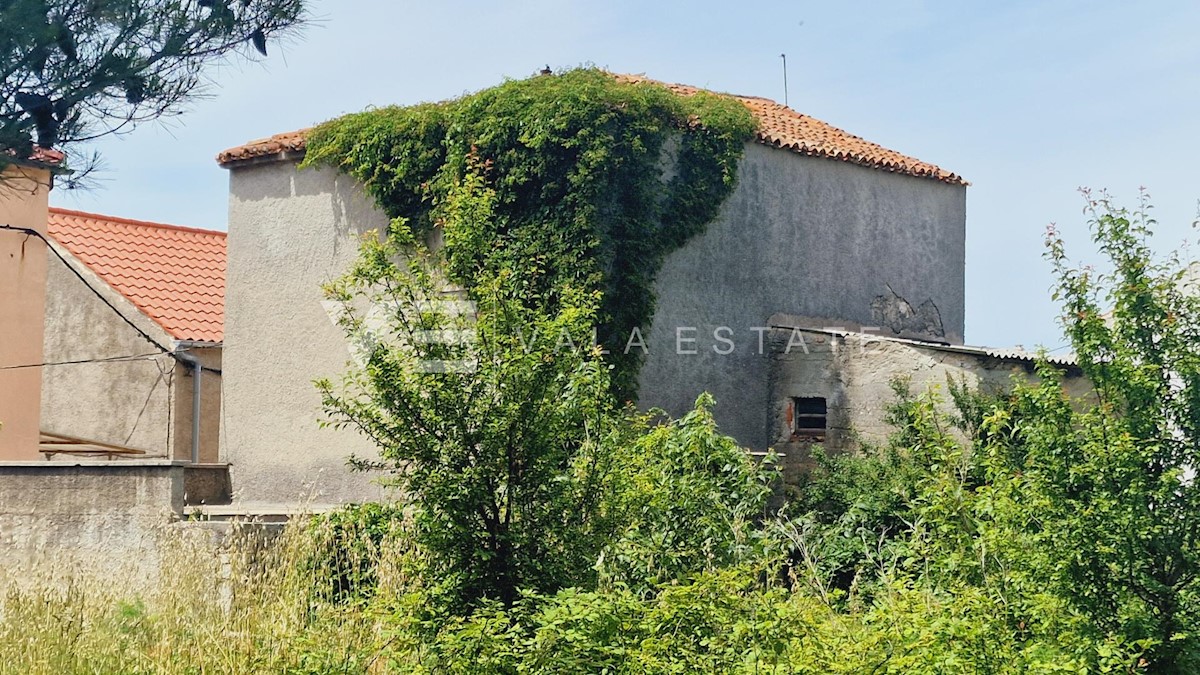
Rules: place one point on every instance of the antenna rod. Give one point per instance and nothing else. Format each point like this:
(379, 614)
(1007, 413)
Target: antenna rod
(785, 91)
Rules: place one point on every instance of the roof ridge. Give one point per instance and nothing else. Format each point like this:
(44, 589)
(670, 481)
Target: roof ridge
(54, 210)
(780, 126)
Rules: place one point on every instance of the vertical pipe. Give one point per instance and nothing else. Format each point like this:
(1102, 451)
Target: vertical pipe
(197, 373)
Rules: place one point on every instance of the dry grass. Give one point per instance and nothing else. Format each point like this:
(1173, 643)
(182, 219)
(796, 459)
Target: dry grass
(260, 604)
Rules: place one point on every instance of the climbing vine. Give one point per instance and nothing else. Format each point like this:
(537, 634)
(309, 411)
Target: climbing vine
(588, 182)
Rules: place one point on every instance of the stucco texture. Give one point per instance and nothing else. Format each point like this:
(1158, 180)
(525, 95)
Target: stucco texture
(109, 516)
(23, 203)
(806, 236)
(801, 235)
(142, 403)
(290, 231)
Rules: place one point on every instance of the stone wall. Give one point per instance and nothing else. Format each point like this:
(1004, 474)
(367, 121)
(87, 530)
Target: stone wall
(853, 372)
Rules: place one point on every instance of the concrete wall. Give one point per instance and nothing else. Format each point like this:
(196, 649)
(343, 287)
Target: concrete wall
(23, 203)
(107, 514)
(806, 236)
(289, 232)
(854, 373)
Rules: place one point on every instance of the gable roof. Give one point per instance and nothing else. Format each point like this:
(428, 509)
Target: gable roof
(174, 275)
(779, 127)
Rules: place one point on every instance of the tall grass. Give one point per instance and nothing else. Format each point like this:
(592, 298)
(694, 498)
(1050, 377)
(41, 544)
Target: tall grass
(258, 603)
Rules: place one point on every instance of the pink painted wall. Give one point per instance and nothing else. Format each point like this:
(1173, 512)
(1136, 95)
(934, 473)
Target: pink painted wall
(24, 193)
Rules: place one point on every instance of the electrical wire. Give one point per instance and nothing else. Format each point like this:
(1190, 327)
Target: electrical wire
(107, 359)
(174, 354)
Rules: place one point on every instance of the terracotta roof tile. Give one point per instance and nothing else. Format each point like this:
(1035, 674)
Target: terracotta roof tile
(782, 127)
(47, 155)
(174, 275)
(39, 156)
(291, 141)
(779, 126)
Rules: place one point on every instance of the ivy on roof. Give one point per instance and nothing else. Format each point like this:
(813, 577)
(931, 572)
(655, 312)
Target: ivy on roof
(590, 181)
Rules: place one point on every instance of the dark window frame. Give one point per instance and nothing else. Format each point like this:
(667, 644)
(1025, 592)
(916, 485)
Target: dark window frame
(810, 418)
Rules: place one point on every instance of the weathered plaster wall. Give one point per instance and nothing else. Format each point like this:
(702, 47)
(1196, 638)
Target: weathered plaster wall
(800, 235)
(125, 403)
(289, 232)
(806, 236)
(23, 203)
(854, 373)
(108, 515)
(210, 406)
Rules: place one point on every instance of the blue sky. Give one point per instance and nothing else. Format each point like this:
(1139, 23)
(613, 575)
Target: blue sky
(1028, 101)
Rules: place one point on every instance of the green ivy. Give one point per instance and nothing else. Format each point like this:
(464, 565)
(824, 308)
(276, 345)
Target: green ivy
(578, 165)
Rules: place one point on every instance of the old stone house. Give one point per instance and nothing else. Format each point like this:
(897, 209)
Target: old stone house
(836, 266)
(823, 225)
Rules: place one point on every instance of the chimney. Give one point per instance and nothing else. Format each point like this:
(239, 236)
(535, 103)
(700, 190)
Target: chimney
(24, 195)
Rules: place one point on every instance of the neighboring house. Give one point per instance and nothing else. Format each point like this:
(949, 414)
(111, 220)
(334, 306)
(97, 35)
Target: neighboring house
(823, 224)
(24, 194)
(109, 391)
(98, 450)
(102, 336)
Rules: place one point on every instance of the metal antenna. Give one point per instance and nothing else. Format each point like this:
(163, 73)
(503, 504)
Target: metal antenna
(785, 91)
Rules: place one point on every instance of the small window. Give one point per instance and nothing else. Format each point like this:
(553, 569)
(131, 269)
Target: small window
(809, 418)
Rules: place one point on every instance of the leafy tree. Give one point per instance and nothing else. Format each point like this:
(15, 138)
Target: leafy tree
(1073, 517)
(1104, 494)
(692, 500)
(501, 440)
(497, 422)
(852, 513)
(74, 70)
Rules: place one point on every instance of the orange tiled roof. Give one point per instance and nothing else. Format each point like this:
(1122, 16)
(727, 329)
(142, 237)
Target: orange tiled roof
(290, 141)
(174, 275)
(779, 126)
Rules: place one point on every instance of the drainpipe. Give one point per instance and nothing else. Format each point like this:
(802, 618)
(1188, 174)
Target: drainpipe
(197, 372)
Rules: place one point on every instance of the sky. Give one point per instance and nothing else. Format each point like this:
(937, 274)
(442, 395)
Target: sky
(1029, 101)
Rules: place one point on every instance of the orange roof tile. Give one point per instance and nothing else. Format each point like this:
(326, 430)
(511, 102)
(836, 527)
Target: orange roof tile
(47, 155)
(290, 141)
(174, 275)
(779, 126)
(39, 156)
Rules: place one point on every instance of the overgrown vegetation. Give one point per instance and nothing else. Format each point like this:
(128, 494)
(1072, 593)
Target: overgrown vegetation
(549, 529)
(573, 168)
